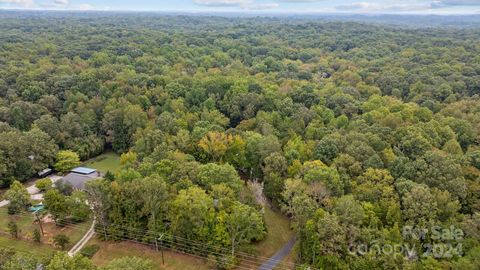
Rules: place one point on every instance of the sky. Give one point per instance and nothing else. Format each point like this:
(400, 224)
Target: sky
(252, 6)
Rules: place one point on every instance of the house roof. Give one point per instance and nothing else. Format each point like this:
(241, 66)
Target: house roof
(83, 170)
(78, 180)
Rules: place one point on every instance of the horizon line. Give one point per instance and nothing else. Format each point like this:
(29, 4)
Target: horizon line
(246, 12)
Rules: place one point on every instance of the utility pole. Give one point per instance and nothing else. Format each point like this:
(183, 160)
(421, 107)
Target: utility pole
(39, 223)
(161, 247)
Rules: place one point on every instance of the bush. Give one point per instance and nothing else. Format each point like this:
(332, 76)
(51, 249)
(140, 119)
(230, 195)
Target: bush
(109, 176)
(44, 184)
(61, 241)
(64, 187)
(13, 229)
(129, 263)
(224, 262)
(37, 237)
(89, 251)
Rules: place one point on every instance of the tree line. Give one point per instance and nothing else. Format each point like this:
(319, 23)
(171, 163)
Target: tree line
(355, 131)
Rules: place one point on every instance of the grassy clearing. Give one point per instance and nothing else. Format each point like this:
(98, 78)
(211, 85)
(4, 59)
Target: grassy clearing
(24, 221)
(173, 261)
(27, 224)
(74, 232)
(40, 250)
(108, 161)
(278, 234)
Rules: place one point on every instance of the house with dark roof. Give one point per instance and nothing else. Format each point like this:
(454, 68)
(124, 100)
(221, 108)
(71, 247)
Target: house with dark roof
(78, 177)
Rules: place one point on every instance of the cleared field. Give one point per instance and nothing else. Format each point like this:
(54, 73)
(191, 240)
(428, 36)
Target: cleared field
(27, 224)
(173, 261)
(40, 250)
(278, 234)
(24, 222)
(108, 161)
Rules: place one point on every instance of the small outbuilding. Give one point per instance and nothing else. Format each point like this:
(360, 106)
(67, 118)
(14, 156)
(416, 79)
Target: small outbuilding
(45, 173)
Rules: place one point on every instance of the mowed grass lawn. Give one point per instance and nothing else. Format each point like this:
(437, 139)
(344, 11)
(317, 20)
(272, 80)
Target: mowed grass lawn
(24, 221)
(38, 250)
(26, 225)
(108, 161)
(278, 233)
(173, 261)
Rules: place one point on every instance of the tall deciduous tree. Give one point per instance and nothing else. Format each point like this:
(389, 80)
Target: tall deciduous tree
(18, 197)
(66, 160)
(191, 214)
(100, 200)
(155, 196)
(215, 144)
(61, 261)
(243, 225)
(56, 204)
(129, 263)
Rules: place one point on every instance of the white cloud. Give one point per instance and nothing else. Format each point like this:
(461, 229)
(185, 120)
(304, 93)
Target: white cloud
(388, 7)
(21, 3)
(451, 3)
(262, 6)
(223, 3)
(359, 6)
(460, 2)
(300, 1)
(243, 4)
(61, 2)
(84, 7)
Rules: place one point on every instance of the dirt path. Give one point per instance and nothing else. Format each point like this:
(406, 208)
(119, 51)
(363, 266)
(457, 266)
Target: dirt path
(279, 256)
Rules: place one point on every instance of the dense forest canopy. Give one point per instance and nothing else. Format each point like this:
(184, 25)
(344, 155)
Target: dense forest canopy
(355, 130)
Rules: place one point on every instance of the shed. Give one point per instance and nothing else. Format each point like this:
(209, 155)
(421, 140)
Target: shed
(45, 172)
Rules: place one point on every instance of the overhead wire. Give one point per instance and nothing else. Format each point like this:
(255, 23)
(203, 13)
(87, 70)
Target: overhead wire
(140, 233)
(249, 260)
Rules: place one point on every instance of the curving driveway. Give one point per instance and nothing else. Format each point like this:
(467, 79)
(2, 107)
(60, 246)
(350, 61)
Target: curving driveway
(80, 244)
(34, 192)
(279, 256)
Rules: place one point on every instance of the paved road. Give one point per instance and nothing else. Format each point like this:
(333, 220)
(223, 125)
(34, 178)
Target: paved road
(279, 256)
(36, 195)
(3, 203)
(80, 244)
(34, 191)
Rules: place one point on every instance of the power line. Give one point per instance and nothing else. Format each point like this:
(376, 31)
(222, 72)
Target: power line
(128, 240)
(197, 243)
(142, 236)
(141, 233)
(137, 242)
